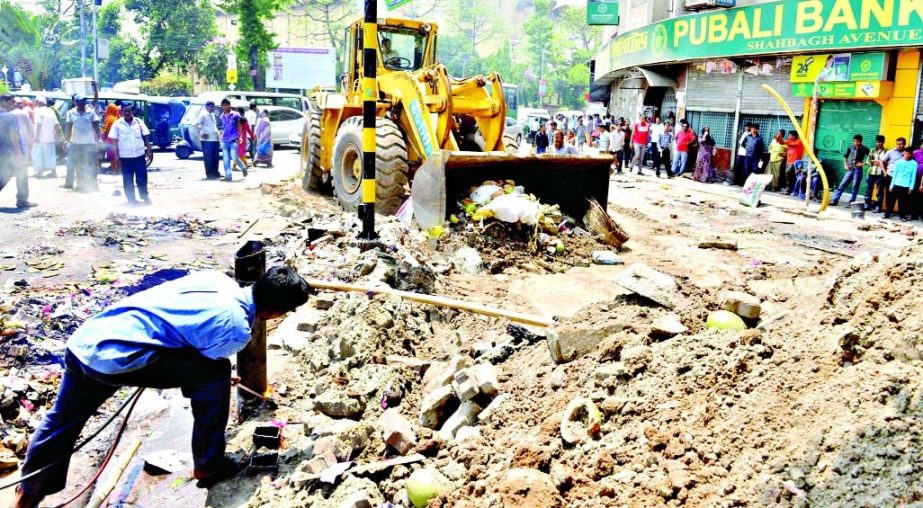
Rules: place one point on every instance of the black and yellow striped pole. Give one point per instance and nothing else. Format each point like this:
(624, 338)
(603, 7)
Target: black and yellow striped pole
(369, 102)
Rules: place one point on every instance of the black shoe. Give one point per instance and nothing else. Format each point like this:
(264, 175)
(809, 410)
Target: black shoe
(227, 468)
(25, 204)
(244, 170)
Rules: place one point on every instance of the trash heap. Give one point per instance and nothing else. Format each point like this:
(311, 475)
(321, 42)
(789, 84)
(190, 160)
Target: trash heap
(127, 231)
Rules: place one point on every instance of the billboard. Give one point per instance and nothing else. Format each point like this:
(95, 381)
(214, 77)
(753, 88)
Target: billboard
(301, 68)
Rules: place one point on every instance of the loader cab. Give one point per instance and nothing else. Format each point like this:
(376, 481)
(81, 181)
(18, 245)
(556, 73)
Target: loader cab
(402, 50)
(403, 45)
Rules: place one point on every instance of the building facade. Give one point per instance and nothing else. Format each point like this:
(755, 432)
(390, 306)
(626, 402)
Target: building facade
(709, 65)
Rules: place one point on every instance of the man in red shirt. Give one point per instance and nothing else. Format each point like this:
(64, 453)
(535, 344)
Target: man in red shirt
(683, 138)
(639, 138)
(795, 153)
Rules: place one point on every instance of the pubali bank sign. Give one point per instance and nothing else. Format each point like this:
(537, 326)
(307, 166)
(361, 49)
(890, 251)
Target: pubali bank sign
(784, 26)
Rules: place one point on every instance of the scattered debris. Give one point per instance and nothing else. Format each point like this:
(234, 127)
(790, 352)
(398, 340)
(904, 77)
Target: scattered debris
(651, 284)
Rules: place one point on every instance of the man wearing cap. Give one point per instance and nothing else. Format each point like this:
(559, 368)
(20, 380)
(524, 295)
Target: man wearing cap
(13, 152)
(132, 147)
(47, 134)
(207, 125)
(83, 138)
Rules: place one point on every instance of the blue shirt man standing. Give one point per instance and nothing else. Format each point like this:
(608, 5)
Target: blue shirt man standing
(176, 335)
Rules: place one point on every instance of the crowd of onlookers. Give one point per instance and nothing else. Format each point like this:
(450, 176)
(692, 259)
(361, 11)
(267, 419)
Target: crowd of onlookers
(893, 176)
(33, 134)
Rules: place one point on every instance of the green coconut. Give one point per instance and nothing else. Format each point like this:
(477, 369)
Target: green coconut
(423, 485)
(725, 320)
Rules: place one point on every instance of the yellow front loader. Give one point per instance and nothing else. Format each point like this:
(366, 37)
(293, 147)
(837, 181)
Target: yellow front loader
(435, 134)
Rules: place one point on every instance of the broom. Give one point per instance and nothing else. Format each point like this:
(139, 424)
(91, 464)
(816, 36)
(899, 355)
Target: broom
(601, 225)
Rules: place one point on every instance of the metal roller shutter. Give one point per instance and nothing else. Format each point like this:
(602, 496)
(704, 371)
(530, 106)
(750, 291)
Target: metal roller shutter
(717, 92)
(837, 123)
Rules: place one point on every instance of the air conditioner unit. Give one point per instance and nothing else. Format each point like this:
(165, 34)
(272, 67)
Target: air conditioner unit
(698, 5)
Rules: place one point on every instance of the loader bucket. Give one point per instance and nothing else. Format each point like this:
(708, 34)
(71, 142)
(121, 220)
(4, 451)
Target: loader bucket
(446, 177)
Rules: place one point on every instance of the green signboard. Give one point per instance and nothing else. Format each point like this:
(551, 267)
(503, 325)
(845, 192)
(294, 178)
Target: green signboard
(839, 90)
(782, 26)
(602, 12)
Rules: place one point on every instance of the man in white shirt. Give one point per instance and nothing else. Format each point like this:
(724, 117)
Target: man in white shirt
(252, 115)
(133, 145)
(208, 134)
(617, 146)
(47, 133)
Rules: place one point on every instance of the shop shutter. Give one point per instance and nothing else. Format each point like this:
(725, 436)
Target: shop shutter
(837, 123)
(669, 102)
(720, 125)
(716, 91)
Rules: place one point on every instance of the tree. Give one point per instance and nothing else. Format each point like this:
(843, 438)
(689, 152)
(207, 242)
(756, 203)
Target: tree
(169, 84)
(212, 62)
(255, 39)
(172, 33)
(32, 44)
(326, 21)
(126, 60)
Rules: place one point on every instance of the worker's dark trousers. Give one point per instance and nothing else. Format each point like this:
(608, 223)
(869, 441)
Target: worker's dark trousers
(204, 381)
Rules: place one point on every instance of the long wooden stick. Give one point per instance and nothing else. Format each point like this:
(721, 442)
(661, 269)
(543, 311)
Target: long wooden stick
(440, 301)
(104, 490)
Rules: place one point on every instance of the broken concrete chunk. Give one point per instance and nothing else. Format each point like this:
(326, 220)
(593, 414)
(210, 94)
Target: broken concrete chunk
(420, 366)
(493, 407)
(464, 415)
(397, 431)
(651, 284)
(574, 342)
(467, 261)
(465, 385)
(338, 404)
(719, 243)
(740, 303)
(637, 358)
(467, 432)
(482, 347)
(323, 302)
(444, 376)
(340, 449)
(433, 406)
(668, 326)
(486, 378)
(558, 378)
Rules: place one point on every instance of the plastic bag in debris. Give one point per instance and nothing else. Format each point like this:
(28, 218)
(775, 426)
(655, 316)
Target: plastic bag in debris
(513, 208)
(405, 212)
(485, 193)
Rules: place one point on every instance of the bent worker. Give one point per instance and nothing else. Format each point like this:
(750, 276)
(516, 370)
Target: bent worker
(175, 335)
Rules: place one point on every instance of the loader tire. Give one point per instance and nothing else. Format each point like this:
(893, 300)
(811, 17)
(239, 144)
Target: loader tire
(313, 176)
(391, 166)
(510, 144)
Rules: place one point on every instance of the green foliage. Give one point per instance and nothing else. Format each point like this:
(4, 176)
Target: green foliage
(254, 16)
(212, 62)
(3, 87)
(169, 84)
(172, 33)
(31, 44)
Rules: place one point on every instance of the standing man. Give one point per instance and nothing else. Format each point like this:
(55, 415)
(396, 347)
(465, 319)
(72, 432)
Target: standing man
(252, 115)
(82, 133)
(794, 153)
(656, 130)
(902, 184)
(230, 132)
(13, 152)
(175, 335)
(681, 158)
(890, 160)
(541, 140)
(639, 140)
(754, 151)
(47, 134)
(132, 146)
(741, 158)
(617, 146)
(605, 138)
(208, 134)
(663, 150)
(876, 176)
(580, 132)
(853, 162)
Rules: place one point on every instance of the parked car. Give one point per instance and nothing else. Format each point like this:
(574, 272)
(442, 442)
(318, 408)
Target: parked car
(287, 123)
(513, 128)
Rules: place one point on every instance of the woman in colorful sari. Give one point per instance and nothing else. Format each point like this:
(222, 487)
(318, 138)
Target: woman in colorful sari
(704, 172)
(263, 153)
(113, 112)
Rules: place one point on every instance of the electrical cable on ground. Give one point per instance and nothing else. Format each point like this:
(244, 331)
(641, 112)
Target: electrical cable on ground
(83, 443)
(105, 462)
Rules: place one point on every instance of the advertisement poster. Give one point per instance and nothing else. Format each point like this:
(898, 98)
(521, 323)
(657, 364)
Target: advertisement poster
(301, 68)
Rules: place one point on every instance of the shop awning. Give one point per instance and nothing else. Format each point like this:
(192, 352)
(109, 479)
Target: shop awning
(655, 78)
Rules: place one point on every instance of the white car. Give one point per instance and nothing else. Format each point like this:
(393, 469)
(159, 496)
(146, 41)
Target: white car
(287, 124)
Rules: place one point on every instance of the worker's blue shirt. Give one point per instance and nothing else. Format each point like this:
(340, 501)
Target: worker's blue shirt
(205, 310)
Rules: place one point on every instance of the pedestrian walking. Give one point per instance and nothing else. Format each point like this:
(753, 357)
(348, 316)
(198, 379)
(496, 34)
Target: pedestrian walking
(208, 134)
(541, 140)
(230, 135)
(13, 152)
(777, 152)
(754, 151)
(853, 162)
(653, 147)
(639, 140)
(902, 180)
(47, 135)
(113, 113)
(132, 145)
(684, 137)
(82, 133)
(704, 171)
(252, 115)
(793, 154)
(617, 147)
(264, 149)
(580, 133)
(559, 147)
(175, 335)
(875, 178)
(246, 137)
